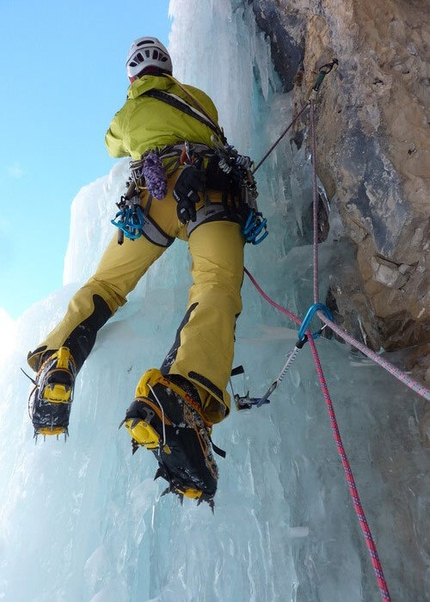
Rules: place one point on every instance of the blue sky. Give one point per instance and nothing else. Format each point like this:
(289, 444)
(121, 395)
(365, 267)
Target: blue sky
(63, 79)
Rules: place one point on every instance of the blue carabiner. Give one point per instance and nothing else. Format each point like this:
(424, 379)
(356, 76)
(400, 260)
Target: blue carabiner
(130, 221)
(310, 314)
(254, 226)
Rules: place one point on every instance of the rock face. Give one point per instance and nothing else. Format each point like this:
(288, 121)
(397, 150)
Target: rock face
(373, 150)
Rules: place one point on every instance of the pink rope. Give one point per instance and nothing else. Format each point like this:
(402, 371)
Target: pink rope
(314, 201)
(383, 587)
(399, 374)
(266, 297)
(388, 366)
(402, 376)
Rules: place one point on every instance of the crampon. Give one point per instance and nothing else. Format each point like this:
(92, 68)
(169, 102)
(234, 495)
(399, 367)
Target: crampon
(167, 420)
(51, 399)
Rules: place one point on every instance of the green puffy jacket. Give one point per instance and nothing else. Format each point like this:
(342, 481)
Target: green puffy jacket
(145, 123)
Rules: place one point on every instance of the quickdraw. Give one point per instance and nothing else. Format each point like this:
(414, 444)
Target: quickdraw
(245, 402)
(323, 71)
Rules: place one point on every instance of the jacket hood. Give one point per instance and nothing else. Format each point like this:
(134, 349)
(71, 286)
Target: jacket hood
(148, 82)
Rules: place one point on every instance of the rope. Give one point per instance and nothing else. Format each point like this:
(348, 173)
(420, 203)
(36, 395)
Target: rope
(310, 97)
(302, 110)
(314, 201)
(383, 587)
(266, 297)
(339, 444)
(350, 477)
(388, 366)
(385, 364)
(326, 319)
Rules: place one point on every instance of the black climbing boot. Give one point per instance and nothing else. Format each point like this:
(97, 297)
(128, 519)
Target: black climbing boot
(166, 418)
(51, 399)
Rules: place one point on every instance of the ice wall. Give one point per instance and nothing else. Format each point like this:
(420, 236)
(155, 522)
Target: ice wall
(84, 521)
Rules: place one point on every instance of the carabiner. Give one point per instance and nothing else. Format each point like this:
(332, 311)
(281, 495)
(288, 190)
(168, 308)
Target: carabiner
(310, 314)
(254, 226)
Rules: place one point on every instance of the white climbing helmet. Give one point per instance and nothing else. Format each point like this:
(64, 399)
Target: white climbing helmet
(147, 52)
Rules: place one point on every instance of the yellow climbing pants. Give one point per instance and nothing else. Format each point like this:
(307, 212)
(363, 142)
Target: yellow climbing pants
(204, 345)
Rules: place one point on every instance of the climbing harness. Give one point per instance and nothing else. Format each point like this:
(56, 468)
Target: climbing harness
(225, 170)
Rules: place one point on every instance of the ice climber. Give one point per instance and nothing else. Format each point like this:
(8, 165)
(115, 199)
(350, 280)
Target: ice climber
(187, 183)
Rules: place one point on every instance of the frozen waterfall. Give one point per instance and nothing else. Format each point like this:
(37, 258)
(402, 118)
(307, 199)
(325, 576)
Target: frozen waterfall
(84, 521)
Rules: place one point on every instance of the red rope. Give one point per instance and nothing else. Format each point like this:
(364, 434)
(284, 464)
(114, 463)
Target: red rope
(340, 447)
(392, 369)
(314, 201)
(383, 587)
